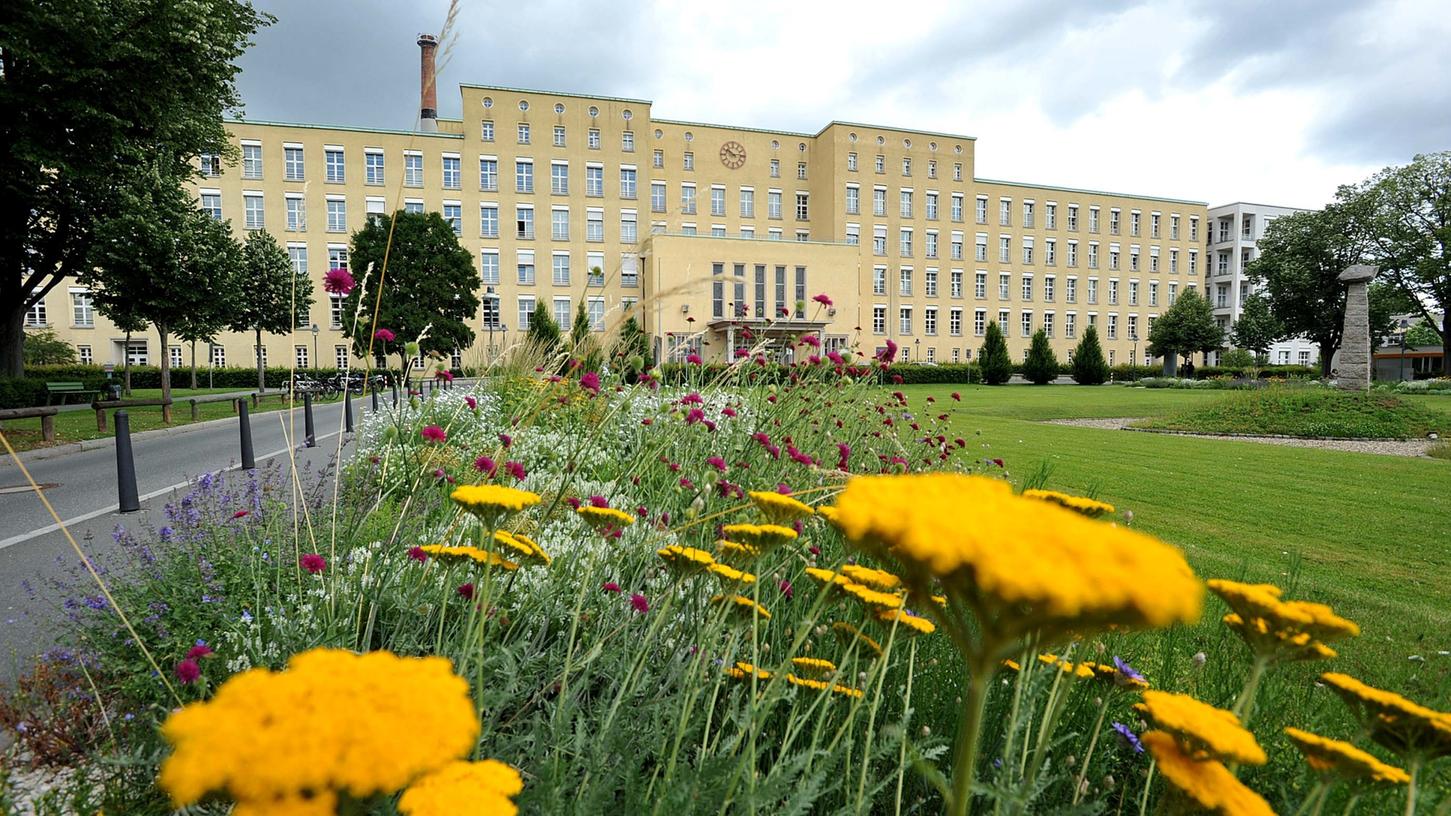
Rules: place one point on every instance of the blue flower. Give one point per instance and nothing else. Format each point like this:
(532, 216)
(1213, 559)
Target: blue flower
(246, 616)
(1128, 737)
(1126, 670)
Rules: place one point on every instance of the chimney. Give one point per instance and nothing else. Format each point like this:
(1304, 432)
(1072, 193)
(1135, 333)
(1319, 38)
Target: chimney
(428, 90)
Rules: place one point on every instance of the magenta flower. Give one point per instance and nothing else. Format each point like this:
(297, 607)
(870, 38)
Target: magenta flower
(240, 514)
(717, 463)
(433, 433)
(835, 357)
(693, 359)
(740, 352)
(693, 416)
(486, 466)
(590, 381)
(640, 603)
(888, 353)
(313, 563)
(472, 403)
(187, 671)
(693, 398)
(785, 586)
(466, 590)
(506, 440)
(811, 340)
(337, 282)
(610, 586)
(384, 335)
(446, 376)
(598, 501)
(730, 412)
(823, 300)
(956, 397)
(198, 651)
(516, 470)
(417, 554)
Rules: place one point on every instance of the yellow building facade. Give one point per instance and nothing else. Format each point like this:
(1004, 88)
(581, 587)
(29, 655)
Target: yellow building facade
(717, 238)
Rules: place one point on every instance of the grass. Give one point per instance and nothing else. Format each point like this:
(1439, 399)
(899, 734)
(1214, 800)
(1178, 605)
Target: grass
(77, 426)
(1307, 412)
(1365, 533)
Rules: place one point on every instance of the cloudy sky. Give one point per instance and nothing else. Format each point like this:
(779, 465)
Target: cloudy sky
(1274, 102)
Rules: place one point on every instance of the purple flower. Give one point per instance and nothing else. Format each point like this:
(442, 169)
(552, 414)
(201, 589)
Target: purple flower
(1126, 670)
(1129, 739)
(433, 433)
(639, 602)
(823, 299)
(590, 381)
(337, 282)
(384, 335)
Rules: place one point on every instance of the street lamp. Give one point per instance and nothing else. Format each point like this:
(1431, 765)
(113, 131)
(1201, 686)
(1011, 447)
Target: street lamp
(1134, 356)
(314, 346)
(917, 354)
(491, 318)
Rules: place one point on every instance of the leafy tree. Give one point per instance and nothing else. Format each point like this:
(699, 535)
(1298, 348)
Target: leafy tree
(1257, 327)
(544, 333)
(1187, 327)
(1089, 367)
(1041, 367)
(91, 89)
(44, 348)
(161, 260)
(632, 348)
(1301, 258)
(1238, 358)
(1386, 300)
(1422, 334)
(992, 358)
(1408, 220)
(428, 292)
(274, 299)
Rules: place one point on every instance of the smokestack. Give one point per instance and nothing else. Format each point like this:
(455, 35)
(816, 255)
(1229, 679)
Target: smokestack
(428, 90)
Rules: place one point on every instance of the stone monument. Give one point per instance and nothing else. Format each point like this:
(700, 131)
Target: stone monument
(1354, 363)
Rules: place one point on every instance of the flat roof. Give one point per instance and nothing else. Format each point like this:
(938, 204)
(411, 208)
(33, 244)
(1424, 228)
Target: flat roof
(1252, 204)
(685, 123)
(266, 123)
(554, 93)
(897, 129)
(1088, 191)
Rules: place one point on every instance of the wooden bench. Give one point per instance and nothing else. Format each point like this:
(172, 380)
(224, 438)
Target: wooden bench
(66, 389)
(102, 406)
(282, 394)
(47, 419)
(195, 401)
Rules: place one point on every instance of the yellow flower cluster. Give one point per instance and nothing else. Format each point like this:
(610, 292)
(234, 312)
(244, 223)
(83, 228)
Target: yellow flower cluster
(491, 501)
(759, 537)
(601, 517)
(814, 665)
(1204, 732)
(741, 605)
(450, 552)
(331, 722)
(1078, 504)
(1109, 673)
(779, 507)
(486, 787)
(910, 624)
(874, 578)
(872, 599)
(1082, 671)
(1405, 727)
(1207, 782)
(1020, 563)
(818, 685)
(685, 560)
(744, 671)
(731, 575)
(736, 551)
(1276, 629)
(522, 547)
(849, 634)
(1332, 757)
(826, 576)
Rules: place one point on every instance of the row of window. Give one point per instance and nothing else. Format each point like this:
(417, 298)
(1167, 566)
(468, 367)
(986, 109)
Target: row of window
(756, 306)
(1026, 325)
(906, 248)
(1115, 227)
(959, 354)
(561, 269)
(1027, 290)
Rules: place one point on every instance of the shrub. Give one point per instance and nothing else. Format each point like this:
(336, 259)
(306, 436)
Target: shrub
(911, 374)
(1041, 367)
(21, 392)
(43, 347)
(1309, 412)
(1089, 367)
(993, 359)
(1236, 358)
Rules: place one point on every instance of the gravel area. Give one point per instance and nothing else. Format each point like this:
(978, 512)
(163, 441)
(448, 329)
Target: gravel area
(1385, 447)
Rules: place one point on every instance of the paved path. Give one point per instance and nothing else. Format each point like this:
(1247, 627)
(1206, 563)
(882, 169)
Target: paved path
(83, 492)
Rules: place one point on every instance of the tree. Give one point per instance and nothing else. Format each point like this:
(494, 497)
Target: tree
(1187, 327)
(584, 348)
(544, 333)
(1041, 367)
(1257, 327)
(1240, 358)
(274, 299)
(91, 89)
(1408, 220)
(427, 293)
(1422, 334)
(162, 260)
(992, 358)
(44, 348)
(1301, 258)
(1089, 367)
(632, 349)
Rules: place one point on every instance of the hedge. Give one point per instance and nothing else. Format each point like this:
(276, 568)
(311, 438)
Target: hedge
(30, 390)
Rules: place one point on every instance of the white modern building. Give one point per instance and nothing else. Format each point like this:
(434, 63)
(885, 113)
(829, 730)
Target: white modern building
(1232, 242)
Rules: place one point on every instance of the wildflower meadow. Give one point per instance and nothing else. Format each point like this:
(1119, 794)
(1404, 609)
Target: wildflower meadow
(773, 588)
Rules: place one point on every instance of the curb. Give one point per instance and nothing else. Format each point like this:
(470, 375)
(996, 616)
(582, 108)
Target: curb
(1280, 436)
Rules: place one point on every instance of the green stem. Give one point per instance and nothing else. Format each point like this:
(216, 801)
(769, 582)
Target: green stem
(1317, 794)
(1148, 785)
(964, 767)
(1244, 704)
(902, 753)
(1350, 805)
(1092, 743)
(1415, 771)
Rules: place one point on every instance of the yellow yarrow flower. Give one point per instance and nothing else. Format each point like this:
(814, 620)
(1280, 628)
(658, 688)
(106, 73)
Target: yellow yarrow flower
(467, 553)
(490, 501)
(827, 512)
(324, 803)
(1205, 732)
(1110, 673)
(1082, 671)
(778, 507)
(1207, 782)
(1406, 728)
(817, 685)
(602, 517)
(741, 605)
(735, 551)
(685, 560)
(1283, 645)
(486, 787)
(874, 578)
(871, 598)
(332, 721)
(910, 624)
(1020, 564)
(522, 547)
(1332, 757)
(813, 665)
(744, 671)
(761, 537)
(731, 575)
(1279, 630)
(849, 634)
(1078, 504)
(827, 577)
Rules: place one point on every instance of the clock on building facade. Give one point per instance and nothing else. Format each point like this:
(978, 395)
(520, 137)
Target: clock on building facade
(732, 154)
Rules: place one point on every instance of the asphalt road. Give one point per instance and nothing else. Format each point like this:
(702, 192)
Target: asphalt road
(82, 488)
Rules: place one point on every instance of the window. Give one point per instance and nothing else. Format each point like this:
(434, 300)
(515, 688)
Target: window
(596, 309)
(1027, 287)
(1113, 327)
(879, 320)
(1174, 227)
(906, 166)
(1133, 259)
(881, 163)
(212, 203)
(1133, 293)
(1073, 253)
(83, 314)
(1193, 262)
(957, 207)
(1092, 290)
(1026, 321)
(879, 201)
(1173, 261)
(372, 166)
(337, 257)
(879, 280)
(979, 286)
(1134, 222)
(489, 174)
(853, 199)
(1050, 216)
(559, 224)
(627, 182)
(1028, 214)
(340, 357)
(905, 320)
(803, 208)
(1049, 289)
(525, 312)
(773, 204)
(775, 168)
(906, 242)
(1070, 325)
(717, 291)
(687, 199)
(1048, 323)
(689, 159)
(748, 202)
(1113, 221)
(523, 175)
(412, 168)
(931, 206)
(524, 222)
(292, 165)
(299, 354)
(1005, 249)
(252, 211)
(800, 292)
(1153, 225)
(559, 135)
(523, 133)
(1070, 290)
(1133, 327)
(594, 180)
(781, 292)
(1113, 291)
(929, 283)
(337, 214)
(488, 220)
(954, 322)
(1113, 256)
(138, 353)
(1003, 317)
(931, 173)
(879, 240)
(905, 282)
(1005, 286)
(525, 268)
(592, 138)
(931, 245)
(1093, 219)
(979, 322)
(489, 266)
(296, 212)
(333, 164)
(717, 200)
(657, 159)
(562, 313)
(251, 160)
(1005, 212)
(1050, 252)
(559, 178)
(1193, 230)
(657, 196)
(559, 269)
(1093, 255)
(851, 162)
(486, 130)
(594, 225)
(853, 233)
(801, 170)
(980, 248)
(1027, 251)
(956, 246)
(906, 203)
(981, 214)
(454, 215)
(35, 316)
(629, 227)
(1154, 259)
(929, 320)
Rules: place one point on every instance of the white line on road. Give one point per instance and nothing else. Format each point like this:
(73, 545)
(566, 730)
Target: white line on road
(50, 528)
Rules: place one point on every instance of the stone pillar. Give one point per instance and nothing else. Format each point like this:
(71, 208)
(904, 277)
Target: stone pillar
(1354, 363)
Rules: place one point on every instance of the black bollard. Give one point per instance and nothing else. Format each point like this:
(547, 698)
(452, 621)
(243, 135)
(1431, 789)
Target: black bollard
(348, 411)
(126, 497)
(310, 439)
(395, 395)
(374, 392)
(244, 422)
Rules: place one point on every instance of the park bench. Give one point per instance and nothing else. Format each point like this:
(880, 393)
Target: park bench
(46, 415)
(282, 394)
(66, 389)
(195, 401)
(102, 406)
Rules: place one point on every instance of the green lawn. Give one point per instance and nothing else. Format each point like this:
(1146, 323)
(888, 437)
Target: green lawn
(1366, 533)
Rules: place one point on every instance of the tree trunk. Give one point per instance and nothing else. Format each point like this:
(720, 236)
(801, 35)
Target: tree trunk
(165, 376)
(1171, 363)
(1445, 341)
(193, 365)
(126, 364)
(1327, 356)
(12, 340)
(257, 355)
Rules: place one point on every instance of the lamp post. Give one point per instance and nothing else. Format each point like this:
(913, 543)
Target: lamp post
(917, 352)
(314, 346)
(491, 318)
(1134, 356)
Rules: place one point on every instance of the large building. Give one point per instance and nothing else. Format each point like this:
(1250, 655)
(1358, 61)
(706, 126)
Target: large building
(717, 237)
(1233, 241)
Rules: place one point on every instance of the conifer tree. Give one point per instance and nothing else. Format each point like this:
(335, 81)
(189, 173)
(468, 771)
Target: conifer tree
(1041, 367)
(1089, 367)
(997, 367)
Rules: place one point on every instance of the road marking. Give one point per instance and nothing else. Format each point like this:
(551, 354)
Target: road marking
(50, 528)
